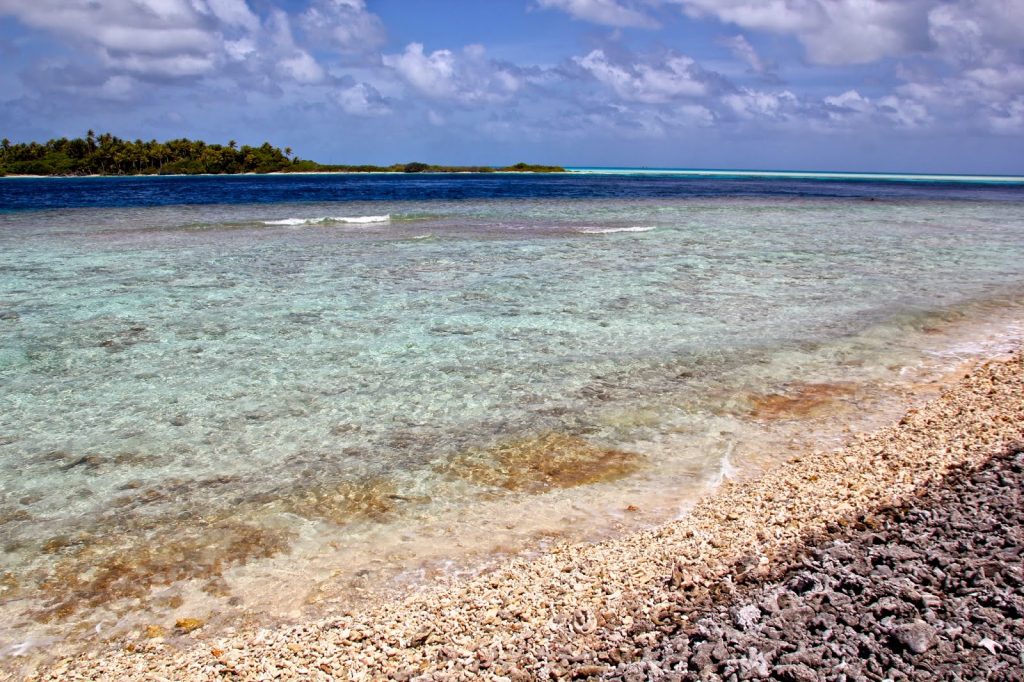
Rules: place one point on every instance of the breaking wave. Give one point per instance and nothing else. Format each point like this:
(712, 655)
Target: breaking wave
(611, 230)
(349, 220)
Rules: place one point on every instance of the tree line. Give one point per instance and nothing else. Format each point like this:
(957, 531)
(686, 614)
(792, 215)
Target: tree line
(110, 155)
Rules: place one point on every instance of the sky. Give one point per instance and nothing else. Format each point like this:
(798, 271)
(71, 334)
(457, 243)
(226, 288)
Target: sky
(855, 85)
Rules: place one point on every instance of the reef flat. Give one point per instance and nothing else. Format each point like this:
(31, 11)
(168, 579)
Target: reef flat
(645, 605)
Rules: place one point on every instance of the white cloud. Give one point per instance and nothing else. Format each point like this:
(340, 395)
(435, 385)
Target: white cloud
(169, 66)
(432, 74)
(852, 107)
(345, 25)
(982, 83)
(1008, 119)
(292, 62)
(675, 77)
(982, 98)
(301, 67)
(160, 38)
(231, 13)
(467, 77)
(906, 113)
(979, 32)
(117, 88)
(362, 99)
(847, 110)
(759, 104)
(959, 65)
(850, 101)
(743, 50)
(636, 121)
(239, 50)
(837, 32)
(145, 40)
(832, 31)
(604, 12)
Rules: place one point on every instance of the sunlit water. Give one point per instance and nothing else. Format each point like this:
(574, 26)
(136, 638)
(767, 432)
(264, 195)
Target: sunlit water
(268, 403)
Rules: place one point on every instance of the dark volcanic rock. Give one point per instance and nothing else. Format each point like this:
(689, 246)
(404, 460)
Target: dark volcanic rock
(933, 590)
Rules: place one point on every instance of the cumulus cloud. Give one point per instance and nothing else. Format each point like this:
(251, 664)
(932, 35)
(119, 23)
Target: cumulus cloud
(361, 99)
(753, 104)
(230, 12)
(983, 79)
(433, 74)
(841, 32)
(841, 112)
(903, 65)
(605, 12)
(661, 93)
(1008, 119)
(290, 61)
(969, 68)
(675, 77)
(628, 121)
(76, 81)
(853, 107)
(301, 67)
(978, 99)
(189, 40)
(832, 31)
(345, 25)
(467, 77)
(160, 38)
(979, 32)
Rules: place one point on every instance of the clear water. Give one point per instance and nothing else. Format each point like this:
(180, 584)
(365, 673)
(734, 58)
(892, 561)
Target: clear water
(207, 389)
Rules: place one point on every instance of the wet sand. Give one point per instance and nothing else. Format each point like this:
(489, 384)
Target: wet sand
(587, 610)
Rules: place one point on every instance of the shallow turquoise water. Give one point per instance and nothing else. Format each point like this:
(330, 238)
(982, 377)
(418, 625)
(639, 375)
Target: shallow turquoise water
(161, 365)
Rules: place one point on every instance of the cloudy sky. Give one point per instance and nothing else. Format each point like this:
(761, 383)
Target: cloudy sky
(890, 85)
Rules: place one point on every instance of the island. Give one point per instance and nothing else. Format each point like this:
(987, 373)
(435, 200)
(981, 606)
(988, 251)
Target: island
(108, 154)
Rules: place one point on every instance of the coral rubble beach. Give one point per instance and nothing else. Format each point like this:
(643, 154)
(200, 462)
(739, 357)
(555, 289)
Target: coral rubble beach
(897, 556)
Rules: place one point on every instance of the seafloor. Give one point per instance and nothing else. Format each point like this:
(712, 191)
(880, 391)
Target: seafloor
(897, 556)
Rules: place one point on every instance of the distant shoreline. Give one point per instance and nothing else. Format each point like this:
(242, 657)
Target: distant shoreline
(109, 155)
(586, 170)
(278, 173)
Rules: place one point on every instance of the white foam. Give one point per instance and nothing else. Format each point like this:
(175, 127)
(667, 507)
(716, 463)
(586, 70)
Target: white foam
(612, 230)
(351, 220)
(726, 470)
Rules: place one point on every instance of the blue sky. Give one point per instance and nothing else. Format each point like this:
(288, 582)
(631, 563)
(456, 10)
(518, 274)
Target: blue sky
(886, 85)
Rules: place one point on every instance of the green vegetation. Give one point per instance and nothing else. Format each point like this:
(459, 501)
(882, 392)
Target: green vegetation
(110, 155)
(417, 167)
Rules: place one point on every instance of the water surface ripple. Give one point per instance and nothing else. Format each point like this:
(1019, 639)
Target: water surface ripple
(199, 376)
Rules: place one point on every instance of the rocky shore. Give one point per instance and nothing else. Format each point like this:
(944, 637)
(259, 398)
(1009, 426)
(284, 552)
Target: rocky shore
(870, 562)
(930, 590)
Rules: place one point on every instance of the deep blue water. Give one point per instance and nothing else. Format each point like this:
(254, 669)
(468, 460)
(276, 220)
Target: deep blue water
(18, 194)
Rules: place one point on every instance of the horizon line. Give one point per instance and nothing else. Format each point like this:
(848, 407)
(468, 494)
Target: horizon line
(613, 170)
(809, 174)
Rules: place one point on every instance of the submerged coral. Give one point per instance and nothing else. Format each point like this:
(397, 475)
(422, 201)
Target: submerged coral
(552, 460)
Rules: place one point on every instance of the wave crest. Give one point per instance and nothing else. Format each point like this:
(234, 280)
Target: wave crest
(349, 220)
(612, 230)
